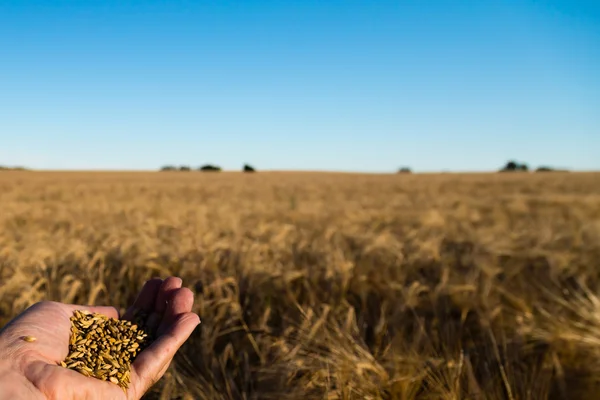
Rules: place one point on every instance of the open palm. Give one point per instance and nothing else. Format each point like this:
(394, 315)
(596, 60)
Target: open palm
(169, 308)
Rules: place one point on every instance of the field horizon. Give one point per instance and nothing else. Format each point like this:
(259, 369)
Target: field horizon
(330, 285)
(224, 171)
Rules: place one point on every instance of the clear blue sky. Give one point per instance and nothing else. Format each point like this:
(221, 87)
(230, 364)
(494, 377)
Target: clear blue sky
(300, 84)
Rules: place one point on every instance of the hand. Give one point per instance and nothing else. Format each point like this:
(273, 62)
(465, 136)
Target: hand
(32, 369)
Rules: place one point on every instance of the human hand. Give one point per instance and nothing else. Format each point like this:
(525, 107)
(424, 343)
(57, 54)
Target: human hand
(32, 369)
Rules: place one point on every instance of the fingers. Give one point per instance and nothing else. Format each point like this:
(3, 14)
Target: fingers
(146, 299)
(180, 302)
(150, 364)
(169, 285)
(175, 324)
(166, 291)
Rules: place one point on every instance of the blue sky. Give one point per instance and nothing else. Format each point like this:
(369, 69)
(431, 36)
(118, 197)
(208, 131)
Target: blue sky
(300, 84)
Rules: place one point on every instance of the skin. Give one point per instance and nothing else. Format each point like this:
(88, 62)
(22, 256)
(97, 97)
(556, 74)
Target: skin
(31, 370)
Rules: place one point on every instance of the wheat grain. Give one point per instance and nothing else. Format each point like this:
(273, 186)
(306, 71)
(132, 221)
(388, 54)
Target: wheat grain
(92, 350)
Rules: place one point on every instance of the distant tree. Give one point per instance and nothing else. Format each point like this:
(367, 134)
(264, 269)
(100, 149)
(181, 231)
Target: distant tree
(209, 168)
(185, 168)
(510, 166)
(514, 166)
(249, 168)
(544, 169)
(404, 170)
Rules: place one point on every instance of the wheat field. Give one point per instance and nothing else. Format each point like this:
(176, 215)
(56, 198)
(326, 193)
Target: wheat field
(330, 286)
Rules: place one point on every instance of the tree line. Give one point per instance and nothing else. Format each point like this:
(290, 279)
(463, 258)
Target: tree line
(203, 168)
(510, 166)
(515, 166)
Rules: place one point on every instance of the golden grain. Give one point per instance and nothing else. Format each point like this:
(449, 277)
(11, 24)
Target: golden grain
(92, 362)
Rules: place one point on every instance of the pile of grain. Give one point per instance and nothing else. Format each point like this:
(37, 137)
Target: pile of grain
(103, 347)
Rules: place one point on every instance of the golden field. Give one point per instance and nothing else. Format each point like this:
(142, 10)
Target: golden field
(330, 286)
